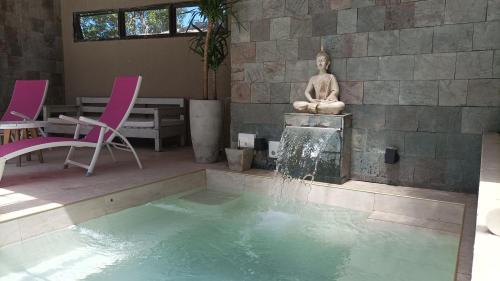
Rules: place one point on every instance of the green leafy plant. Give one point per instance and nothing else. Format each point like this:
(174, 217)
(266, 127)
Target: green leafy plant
(211, 44)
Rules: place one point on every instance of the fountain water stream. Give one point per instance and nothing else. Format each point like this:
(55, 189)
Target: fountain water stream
(305, 151)
(315, 147)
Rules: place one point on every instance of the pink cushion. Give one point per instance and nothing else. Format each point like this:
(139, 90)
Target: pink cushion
(27, 99)
(22, 144)
(121, 100)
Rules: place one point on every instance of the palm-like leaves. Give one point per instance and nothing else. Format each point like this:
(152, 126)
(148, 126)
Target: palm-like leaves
(212, 45)
(217, 46)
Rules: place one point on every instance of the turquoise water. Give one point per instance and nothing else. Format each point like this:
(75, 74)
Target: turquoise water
(247, 238)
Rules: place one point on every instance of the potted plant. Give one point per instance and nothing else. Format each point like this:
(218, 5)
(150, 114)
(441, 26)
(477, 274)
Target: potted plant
(206, 114)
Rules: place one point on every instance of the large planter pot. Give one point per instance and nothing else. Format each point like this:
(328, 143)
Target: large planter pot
(206, 129)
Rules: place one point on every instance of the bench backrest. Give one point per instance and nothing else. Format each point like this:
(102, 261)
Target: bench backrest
(95, 105)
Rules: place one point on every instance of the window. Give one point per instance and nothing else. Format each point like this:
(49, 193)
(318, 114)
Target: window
(146, 22)
(188, 19)
(165, 20)
(98, 26)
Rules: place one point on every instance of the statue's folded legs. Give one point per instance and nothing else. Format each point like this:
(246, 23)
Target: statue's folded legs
(319, 108)
(305, 107)
(330, 108)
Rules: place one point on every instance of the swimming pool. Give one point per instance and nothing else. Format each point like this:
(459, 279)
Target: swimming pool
(208, 235)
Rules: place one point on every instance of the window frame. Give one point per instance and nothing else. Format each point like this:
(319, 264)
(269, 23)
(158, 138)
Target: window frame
(172, 21)
(77, 27)
(123, 30)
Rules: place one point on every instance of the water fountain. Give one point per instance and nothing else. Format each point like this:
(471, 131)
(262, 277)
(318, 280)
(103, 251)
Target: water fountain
(315, 144)
(315, 147)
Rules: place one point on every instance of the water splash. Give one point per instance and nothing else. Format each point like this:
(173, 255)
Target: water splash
(306, 154)
(304, 151)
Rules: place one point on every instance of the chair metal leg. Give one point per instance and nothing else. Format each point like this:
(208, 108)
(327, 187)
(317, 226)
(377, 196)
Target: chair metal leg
(42, 132)
(111, 152)
(34, 134)
(90, 170)
(68, 157)
(125, 140)
(17, 135)
(2, 167)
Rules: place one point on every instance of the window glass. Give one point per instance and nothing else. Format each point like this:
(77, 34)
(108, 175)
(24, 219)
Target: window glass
(99, 26)
(146, 22)
(169, 19)
(189, 20)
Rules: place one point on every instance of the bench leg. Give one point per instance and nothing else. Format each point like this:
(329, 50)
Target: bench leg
(182, 140)
(158, 144)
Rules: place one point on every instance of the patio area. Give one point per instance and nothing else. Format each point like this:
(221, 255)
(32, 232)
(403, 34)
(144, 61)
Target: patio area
(36, 187)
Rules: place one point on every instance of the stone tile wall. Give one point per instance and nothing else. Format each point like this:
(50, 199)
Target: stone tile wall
(30, 46)
(419, 75)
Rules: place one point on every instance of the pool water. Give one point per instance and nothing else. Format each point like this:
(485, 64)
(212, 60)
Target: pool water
(236, 238)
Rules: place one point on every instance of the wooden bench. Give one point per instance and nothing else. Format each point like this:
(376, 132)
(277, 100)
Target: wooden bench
(151, 118)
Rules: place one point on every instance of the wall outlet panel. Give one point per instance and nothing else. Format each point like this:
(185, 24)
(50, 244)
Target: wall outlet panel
(274, 147)
(246, 140)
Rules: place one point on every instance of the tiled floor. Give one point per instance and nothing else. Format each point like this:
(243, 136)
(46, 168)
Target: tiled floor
(36, 187)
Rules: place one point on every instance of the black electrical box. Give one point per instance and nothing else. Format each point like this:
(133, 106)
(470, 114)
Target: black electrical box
(391, 155)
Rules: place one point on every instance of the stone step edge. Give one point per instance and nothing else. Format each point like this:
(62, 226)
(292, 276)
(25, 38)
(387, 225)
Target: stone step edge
(422, 223)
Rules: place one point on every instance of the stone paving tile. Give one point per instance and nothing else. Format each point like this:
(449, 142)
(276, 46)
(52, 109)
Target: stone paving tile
(464, 11)
(452, 92)
(371, 19)
(347, 20)
(273, 8)
(400, 16)
(452, 38)
(474, 65)
(416, 41)
(429, 12)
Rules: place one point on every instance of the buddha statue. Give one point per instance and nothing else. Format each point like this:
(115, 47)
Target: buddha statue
(322, 92)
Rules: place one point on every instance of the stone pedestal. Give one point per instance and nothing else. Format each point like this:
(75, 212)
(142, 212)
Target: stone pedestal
(333, 162)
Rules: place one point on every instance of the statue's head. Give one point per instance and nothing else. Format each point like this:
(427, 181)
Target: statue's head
(322, 60)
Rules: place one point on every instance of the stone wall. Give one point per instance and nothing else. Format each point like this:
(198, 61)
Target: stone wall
(30, 46)
(418, 75)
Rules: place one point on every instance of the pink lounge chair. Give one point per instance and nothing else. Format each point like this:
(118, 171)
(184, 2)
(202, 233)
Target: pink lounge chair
(121, 102)
(27, 100)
